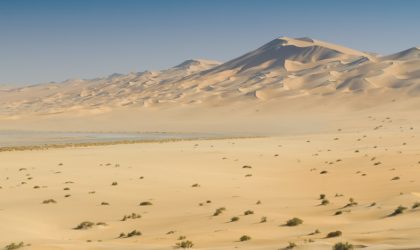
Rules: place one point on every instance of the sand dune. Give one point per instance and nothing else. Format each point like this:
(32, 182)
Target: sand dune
(334, 149)
(270, 73)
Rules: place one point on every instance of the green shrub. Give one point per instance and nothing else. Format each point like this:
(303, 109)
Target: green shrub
(248, 212)
(133, 233)
(291, 245)
(184, 244)
(343, 246)
(233, 219)
(325, 202)
(84, 225)
(49, 201)
(219, 211)
(244, 238)
(398, 210)
(145, 203)
(334, 234)
(294, 222)
(14, 246)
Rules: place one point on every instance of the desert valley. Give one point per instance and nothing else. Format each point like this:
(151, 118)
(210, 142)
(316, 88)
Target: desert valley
(299, 144)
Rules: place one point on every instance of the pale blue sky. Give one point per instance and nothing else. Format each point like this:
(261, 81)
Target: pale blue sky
(53, 40)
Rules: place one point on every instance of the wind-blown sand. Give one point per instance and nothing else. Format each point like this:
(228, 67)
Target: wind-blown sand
(373, 160)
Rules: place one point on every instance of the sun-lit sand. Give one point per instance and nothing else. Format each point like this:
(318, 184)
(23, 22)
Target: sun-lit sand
(366, 171)
(332, 155)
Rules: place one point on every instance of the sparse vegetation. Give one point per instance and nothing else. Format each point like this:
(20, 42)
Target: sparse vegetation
(185, 244)
(233, 219)
(416, 205)
(343, 246)
(291, 245)
(49, 201)
(294, 222)
(245, 238)
(248, 212)
(263, 219)
(325, 202)
(84, 225)
(398, 210)
(334, 234)
(130, 234)
(351, 203)
(145, 203)
(219, 211)
(13, 246)
(131, 216)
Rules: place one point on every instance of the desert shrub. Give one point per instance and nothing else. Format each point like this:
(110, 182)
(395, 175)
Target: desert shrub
(49, 201)
(398, 210)
(263, 219)
(184, 244)
(351, 203)
(322, 196)
(323, 172)
(416, 205)
(195, 185)
(343, 246)
(334, 234)
(246, 166)
(114, 183)
(101, 224)
(182, 237)
(248, 212)
(84, 225)
(294, 222)
(145, 203)
(13, 245)
(131, 216)
(325, 202)
(219, 211)
(233, 219)
(244, 238)
(133, 233)
(291, 245)
(104, 203)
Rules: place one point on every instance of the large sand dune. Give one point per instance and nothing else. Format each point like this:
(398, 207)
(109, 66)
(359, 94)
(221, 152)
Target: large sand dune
(273, 75)
(325, 120)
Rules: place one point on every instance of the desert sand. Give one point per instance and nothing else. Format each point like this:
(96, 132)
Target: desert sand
(334, 144)
(365, 172)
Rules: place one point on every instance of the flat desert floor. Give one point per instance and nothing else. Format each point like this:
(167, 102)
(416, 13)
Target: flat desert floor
(213, 192)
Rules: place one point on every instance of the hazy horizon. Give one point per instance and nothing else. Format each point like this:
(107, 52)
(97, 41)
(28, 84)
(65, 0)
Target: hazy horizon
(48, 41)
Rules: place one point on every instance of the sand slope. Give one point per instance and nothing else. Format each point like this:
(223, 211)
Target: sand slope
(282, 69)
(373, 160)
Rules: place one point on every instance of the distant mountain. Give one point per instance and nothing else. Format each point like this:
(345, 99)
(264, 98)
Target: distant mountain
(282, 68)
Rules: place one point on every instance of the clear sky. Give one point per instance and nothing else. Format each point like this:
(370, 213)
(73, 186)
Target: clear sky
(53, 40)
